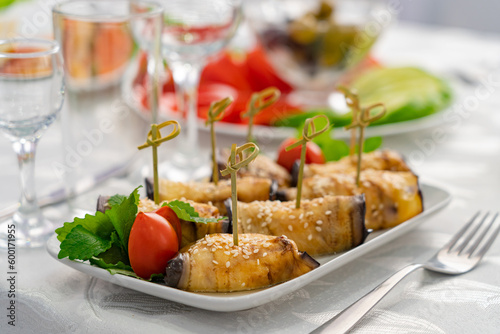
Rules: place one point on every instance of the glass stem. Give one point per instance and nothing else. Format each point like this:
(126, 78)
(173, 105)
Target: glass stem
(187, 78)
(25, 150)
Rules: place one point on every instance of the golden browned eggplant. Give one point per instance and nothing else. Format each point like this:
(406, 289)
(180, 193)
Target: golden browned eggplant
(214, 264)
(391, 197)
(191, 231)
(262, 166)
(378, 160)
(249, 189)
(324, 225)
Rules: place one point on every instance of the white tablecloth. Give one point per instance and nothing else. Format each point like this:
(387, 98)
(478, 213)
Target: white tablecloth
(463, 157)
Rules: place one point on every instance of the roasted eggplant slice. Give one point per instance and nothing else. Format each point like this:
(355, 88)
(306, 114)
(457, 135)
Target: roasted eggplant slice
(391, 197)
(249, 189)
(377, 160)
(214, 264)
(262, 166)
(320, 226)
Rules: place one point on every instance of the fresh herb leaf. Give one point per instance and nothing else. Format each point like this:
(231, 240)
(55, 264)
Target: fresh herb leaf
(121, 268)
(103, 235)
(334, 149)
(116, 253)
(99, 224)
(186, 212)
(116, 199)
(99, 262)
(82, 244)
(371, 144)
(122, 217)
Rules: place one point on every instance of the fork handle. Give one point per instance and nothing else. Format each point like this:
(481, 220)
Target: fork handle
(349, 317)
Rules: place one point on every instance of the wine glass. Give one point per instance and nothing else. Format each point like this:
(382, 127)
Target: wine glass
(31, 96)
(193, 30)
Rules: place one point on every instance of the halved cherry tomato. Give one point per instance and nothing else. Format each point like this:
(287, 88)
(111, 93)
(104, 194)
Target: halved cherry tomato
(286, 159)
(151, 244)
(169, 214)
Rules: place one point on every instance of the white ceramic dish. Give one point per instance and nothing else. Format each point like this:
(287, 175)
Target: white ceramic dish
(435, 198)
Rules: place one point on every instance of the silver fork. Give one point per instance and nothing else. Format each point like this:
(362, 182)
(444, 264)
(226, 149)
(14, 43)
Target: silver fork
(460, 255)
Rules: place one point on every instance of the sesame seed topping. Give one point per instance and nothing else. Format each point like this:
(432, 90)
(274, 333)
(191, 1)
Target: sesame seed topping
(309, 237)
(319, 222)
(258, 262)
(306, 225)
(318, 228)
(243, 284)
(310, 213)
(256, 251)
(228, 264)
(209, 244)
(227, 253)
(215, 262)
(246, 257)
(291, 217)
(195, 251)
(328, 212)
(264, 224)
(249, 220)
(301, 216)
(265, 254)
(259, 215)
(236, 254)
(320, 200)
(290, 228)
(214, 249)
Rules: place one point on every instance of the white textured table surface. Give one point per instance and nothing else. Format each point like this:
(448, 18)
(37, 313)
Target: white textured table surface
(463, 156)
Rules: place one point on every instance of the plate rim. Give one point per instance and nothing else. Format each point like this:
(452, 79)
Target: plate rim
(230, 302)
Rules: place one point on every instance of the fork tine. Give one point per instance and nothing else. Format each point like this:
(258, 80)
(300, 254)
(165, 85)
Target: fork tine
(490, 241)
(482, 236)
(459, 234)
(471, 234)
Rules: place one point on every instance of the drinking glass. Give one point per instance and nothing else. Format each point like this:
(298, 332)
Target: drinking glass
(31, 96)
(193, 30)
(103, 43)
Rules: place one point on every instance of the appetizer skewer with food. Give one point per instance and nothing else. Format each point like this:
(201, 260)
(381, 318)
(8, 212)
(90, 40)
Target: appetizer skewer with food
(321, 226)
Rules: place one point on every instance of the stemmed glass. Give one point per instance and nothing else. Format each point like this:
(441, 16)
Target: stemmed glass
(31, 96)
(193, 30)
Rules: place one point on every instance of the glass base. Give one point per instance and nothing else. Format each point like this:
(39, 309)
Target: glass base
(34, 232)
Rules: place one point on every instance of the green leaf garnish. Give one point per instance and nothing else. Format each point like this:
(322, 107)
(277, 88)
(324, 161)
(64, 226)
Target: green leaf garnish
(103, 234)
(82, 244)
(116, 199)
(186, 212)
(371, 144)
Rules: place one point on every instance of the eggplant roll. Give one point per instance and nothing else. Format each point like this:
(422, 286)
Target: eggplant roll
(378, 160)
(391, 197)
(215, 264)
(262, 166)
(320, 226)
(249, 189)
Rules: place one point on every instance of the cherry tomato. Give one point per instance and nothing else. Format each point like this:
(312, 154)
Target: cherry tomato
(286, 159)
(169, 214)
(151, 244)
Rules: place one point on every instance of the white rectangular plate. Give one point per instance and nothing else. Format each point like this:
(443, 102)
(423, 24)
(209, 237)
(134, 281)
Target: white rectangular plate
(435, 198)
